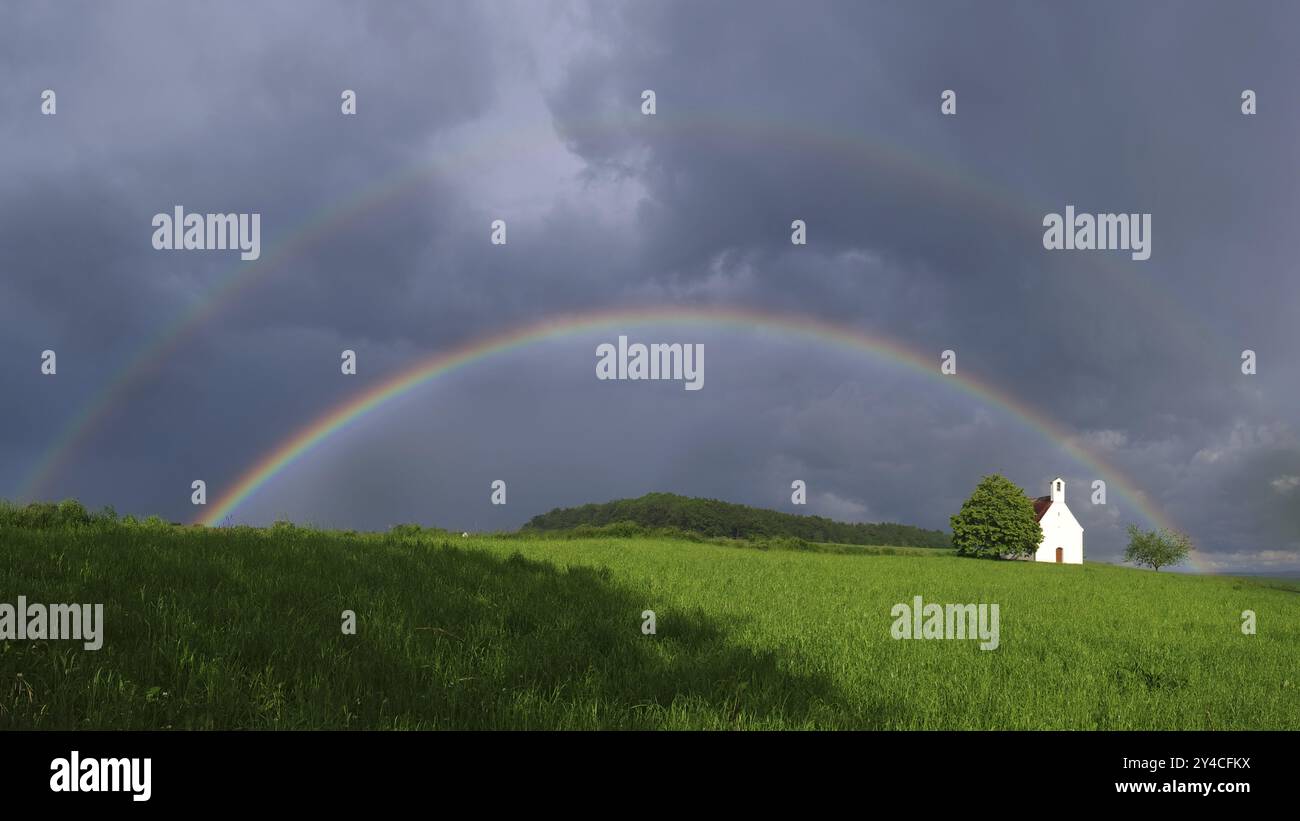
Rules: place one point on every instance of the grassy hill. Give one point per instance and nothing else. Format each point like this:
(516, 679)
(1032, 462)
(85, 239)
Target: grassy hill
(240, 628)
(710, 517)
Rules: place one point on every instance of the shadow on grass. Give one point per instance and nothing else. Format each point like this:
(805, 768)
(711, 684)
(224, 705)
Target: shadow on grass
(241, 629)
(527, 644)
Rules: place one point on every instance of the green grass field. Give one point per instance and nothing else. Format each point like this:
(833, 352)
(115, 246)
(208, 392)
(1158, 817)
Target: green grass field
(240, 628)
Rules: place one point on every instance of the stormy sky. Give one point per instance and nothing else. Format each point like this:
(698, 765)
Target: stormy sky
(922, 228)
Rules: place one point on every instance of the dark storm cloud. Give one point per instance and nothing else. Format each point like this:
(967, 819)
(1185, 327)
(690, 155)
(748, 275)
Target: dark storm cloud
(231, 107)
(921, 227)
(1120, 110)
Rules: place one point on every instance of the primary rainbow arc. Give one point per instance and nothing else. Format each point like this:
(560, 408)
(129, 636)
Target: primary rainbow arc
(428, 368)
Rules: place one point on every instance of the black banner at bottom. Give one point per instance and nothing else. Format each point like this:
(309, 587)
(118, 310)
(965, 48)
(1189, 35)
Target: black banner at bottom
(333, 770)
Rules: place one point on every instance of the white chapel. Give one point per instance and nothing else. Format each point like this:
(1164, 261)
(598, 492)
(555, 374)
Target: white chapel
(1062, 534)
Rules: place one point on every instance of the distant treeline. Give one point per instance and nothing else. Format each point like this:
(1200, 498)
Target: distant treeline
(710, 517)
(52, 515)
(662, 515)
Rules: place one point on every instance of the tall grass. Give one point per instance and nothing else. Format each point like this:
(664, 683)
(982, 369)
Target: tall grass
(240, 628)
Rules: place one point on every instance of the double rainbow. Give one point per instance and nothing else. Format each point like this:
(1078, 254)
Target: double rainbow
(857, 155)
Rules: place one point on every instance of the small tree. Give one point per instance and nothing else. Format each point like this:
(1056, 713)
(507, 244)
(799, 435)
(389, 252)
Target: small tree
(997, 520)
(1156, 549)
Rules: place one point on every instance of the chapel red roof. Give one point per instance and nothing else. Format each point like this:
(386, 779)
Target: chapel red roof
(1041, 504)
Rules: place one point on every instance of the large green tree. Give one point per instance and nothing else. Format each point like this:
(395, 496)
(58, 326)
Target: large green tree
(1156, 549)
(996, 521)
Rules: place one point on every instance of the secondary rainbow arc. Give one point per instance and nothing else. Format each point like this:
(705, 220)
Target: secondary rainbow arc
(853, 149)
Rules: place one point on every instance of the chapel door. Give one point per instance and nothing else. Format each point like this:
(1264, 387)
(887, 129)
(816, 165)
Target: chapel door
(1060, 555)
